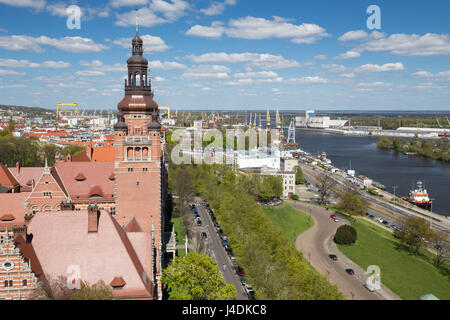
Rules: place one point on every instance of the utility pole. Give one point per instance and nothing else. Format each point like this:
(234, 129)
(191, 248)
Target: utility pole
(395, 198)
(431, 214)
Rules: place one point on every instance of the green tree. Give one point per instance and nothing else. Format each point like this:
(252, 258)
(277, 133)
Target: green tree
(97, 291)
(352, 204)
(415, 233)
(195, 277)
(299, 178)
(384, 143)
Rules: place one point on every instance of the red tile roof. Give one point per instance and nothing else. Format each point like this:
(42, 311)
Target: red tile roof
(117, 282)
(101, 256)
(7, 179)
(12, 204)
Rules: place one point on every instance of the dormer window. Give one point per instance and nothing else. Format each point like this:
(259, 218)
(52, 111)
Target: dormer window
(80, 177)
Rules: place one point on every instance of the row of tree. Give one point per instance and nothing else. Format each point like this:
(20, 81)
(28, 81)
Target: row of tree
(30, 152)
(272, 265)
(436, 150)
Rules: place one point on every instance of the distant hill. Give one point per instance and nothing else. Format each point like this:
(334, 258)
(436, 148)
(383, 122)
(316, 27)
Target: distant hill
(35, 111)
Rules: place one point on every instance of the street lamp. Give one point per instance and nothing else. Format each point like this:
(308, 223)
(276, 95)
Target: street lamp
(395, 197)
(431, 214)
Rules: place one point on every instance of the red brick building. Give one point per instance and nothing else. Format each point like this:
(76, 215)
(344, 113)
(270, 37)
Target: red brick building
(107, 217)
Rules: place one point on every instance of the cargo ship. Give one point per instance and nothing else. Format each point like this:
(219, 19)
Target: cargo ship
(420, 197)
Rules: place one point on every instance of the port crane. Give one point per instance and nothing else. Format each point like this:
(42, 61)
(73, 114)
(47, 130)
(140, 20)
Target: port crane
(59, 111)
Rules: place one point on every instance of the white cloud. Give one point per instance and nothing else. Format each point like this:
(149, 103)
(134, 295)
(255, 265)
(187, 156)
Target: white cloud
(349, 55)
(413, 45)
(261, 74)
(262, 61)
(97, 65)
(36, 4)
(320, 57)
(214, 32)
(167, 65)
(313, 80)
(334, 67)
(70, 44)
(206, 72)
(398, 66)
(217, 8)
(260, 28)
(151, 43)
(126, 3)
(423, 74)
(377, 84)
(360, 35)
(172, 10)
(89, 73)
(147, 18)
(11, 73)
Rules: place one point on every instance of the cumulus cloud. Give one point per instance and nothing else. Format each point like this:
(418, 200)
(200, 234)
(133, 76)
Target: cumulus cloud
(89, 73)
(70, 44)
(262, 61)
(11, 73)
(334, 67)
(349, 55)
(167, 65)
(147, 18)
(261, 74)
(35, 4)
(206, 72)
(259, 28)
(151, 43)
(398, 66)
(12, 63)
(217, 8)
(127, 3)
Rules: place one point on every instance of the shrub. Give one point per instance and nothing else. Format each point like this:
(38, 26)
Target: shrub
(345, 235)
(294, 197)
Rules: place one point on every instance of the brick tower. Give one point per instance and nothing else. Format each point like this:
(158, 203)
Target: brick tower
(138, 158)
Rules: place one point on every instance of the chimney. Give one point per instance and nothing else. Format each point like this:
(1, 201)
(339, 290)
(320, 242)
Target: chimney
(18, 167)
(93, 218)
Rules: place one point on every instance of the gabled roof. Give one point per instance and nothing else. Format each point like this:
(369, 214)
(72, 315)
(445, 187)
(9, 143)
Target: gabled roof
(7, 179)
(27, 251)
(117, 282)
(102, 256)
(133, 226)
(26, 174)
(12, 204)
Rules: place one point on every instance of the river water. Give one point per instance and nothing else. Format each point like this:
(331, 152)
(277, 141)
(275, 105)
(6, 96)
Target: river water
(385, 166)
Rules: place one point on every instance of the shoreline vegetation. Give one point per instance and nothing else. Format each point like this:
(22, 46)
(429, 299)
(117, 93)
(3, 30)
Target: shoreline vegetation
(437, 150)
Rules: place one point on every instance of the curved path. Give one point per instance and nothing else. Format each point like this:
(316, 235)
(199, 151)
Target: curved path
(317, 244)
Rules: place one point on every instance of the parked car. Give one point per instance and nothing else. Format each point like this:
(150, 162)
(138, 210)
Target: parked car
(350, 272)
(248, 289)
(199, 222)
(371, 216)
(369, 287)
(333, 257)
(233, 259)
(385, 222)
(333, 216)
(240, 271)
(336, 220)
(204, 235)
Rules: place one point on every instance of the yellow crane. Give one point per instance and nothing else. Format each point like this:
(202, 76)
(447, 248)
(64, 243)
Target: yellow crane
(58, 110)
(167, 109)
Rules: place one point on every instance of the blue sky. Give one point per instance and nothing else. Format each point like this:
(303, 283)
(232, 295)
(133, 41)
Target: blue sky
(230, 54)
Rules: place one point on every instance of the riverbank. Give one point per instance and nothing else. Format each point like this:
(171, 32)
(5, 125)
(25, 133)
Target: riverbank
(391, 169)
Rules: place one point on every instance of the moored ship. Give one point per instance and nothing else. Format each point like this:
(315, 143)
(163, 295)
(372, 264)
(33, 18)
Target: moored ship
(420, 197)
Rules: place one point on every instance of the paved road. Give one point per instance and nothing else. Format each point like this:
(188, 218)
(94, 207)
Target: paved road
(443, 224)
(216, 250)
(317, 244)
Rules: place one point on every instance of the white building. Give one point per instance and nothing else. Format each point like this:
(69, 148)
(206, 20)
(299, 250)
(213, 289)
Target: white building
(288, 180)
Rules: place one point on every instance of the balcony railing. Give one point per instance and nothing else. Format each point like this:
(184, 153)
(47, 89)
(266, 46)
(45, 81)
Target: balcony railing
(137, 141)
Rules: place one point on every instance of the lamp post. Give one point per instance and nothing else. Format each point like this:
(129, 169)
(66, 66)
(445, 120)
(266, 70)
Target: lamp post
(431, 214)
(395, 197)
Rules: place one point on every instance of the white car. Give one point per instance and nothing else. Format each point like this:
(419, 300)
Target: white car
(369, 287)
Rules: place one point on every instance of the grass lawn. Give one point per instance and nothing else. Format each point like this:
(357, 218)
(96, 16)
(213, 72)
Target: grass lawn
(290, 220)
(405, 274)
(179, 229)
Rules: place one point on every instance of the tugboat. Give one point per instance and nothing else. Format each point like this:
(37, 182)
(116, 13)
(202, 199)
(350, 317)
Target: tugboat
(420, 197)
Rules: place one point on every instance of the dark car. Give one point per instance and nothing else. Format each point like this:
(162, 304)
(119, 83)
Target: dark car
(204, 235)
(350, 272)
(199, 222)
(385, 222)
(371, 216)
(240, 271)
(333, 257)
